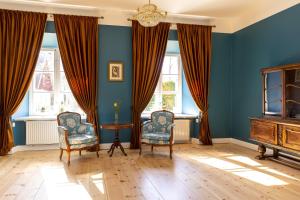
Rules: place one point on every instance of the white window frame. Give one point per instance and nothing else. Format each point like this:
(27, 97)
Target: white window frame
(57, 84)
(179, 93)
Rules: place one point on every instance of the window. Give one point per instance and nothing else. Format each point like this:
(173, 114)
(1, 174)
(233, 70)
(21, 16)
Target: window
(168, 93)
(50, 92)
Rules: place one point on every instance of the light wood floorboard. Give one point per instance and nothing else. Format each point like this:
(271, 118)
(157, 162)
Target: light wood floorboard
(221, 171)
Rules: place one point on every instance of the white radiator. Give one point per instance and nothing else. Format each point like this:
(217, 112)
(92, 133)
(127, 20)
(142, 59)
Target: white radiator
(182, 130)
(41, 132)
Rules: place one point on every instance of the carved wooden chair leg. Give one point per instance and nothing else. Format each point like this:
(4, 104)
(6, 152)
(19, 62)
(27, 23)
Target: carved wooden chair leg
(152, 148)
(79, 152)
(171, 151)
(61, 154)
(69, 156)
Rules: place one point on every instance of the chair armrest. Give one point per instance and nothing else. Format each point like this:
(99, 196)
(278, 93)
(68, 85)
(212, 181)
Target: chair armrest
(147, 126)
(146, 122)
(88, 128)
(170, 129)
(63, 136)
(171, 126)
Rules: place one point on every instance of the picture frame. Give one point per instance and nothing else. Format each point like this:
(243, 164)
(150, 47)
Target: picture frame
(297, 76)
(115, 71)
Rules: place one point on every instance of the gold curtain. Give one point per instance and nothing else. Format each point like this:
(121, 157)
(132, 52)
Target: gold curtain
(195, 49)
(148, 46)
(21, 35)
(78, 45)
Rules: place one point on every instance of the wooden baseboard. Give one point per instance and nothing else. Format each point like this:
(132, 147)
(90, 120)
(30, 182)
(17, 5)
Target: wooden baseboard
(214, 140)
(54, 146)
(127, 145)
(247, 145)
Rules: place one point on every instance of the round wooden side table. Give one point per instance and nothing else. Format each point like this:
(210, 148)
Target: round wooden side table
(116, 127)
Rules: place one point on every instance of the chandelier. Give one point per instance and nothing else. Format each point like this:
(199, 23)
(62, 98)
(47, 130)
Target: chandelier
(149, 15)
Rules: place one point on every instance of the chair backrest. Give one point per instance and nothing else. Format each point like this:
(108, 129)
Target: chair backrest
(161, 120)
(69, 120)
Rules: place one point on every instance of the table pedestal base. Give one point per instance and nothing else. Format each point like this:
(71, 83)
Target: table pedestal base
(116, 144)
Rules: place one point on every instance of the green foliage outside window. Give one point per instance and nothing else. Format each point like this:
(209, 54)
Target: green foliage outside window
(168, 101)
(168, 86)
(151, 104)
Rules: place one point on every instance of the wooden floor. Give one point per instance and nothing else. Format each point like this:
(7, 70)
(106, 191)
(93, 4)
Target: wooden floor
(223, 171)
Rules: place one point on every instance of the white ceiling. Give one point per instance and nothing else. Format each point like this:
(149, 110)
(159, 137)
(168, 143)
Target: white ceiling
(228, 15)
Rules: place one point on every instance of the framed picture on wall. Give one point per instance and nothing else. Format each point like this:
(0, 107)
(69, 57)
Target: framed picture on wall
(115, 71)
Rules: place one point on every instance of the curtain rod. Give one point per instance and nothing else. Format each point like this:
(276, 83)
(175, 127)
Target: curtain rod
(51, 15)
(214, 26)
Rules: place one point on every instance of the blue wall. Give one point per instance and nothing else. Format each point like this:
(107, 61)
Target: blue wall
(220, 82)
(115, 45)
(219, 96)
(270, 42)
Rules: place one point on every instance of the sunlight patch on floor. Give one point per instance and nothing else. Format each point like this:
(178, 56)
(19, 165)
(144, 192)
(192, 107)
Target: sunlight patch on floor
(99, 182)
(259, 177)
(58, 186)
(278, 173)
(245, 160)
(241, 171)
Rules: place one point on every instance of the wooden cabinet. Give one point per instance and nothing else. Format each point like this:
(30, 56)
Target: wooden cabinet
(291, 137)
(264, 131)
(276, 132)
(279, 126)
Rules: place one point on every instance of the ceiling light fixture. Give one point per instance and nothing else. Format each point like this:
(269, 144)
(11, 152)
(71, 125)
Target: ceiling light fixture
(149, 15)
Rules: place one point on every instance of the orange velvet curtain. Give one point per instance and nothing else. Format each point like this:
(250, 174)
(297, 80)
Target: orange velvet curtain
(148, 46)
(195, 49)
(78, 45)
(21, 35)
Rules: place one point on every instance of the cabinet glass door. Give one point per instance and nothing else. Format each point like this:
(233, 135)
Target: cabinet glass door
(273, 93)
(292, 93)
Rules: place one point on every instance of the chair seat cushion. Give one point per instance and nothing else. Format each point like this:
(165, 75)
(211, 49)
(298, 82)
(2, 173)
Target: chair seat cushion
(81, 139)
(156, 138)
(80, 146)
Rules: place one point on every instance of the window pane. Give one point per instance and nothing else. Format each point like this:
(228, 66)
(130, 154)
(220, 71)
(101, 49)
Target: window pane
(43, 103)
(64, 85)
(166, 65)
(167, 93)
(67, 102)
(155, 103)
(61, 67)
(168, 101)
(45, 61)
(174, 65)
(169, 83)
(170, 65)
(44, 81)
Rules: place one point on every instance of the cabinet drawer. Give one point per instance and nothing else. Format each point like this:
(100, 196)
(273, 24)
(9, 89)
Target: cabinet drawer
(291, 137)
(264, 131)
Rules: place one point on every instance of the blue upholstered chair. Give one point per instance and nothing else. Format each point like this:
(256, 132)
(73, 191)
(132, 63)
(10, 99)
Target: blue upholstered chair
(158, 131)
(74, 135)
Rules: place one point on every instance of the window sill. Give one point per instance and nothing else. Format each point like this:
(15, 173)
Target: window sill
(39, 118)
(177, 116)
